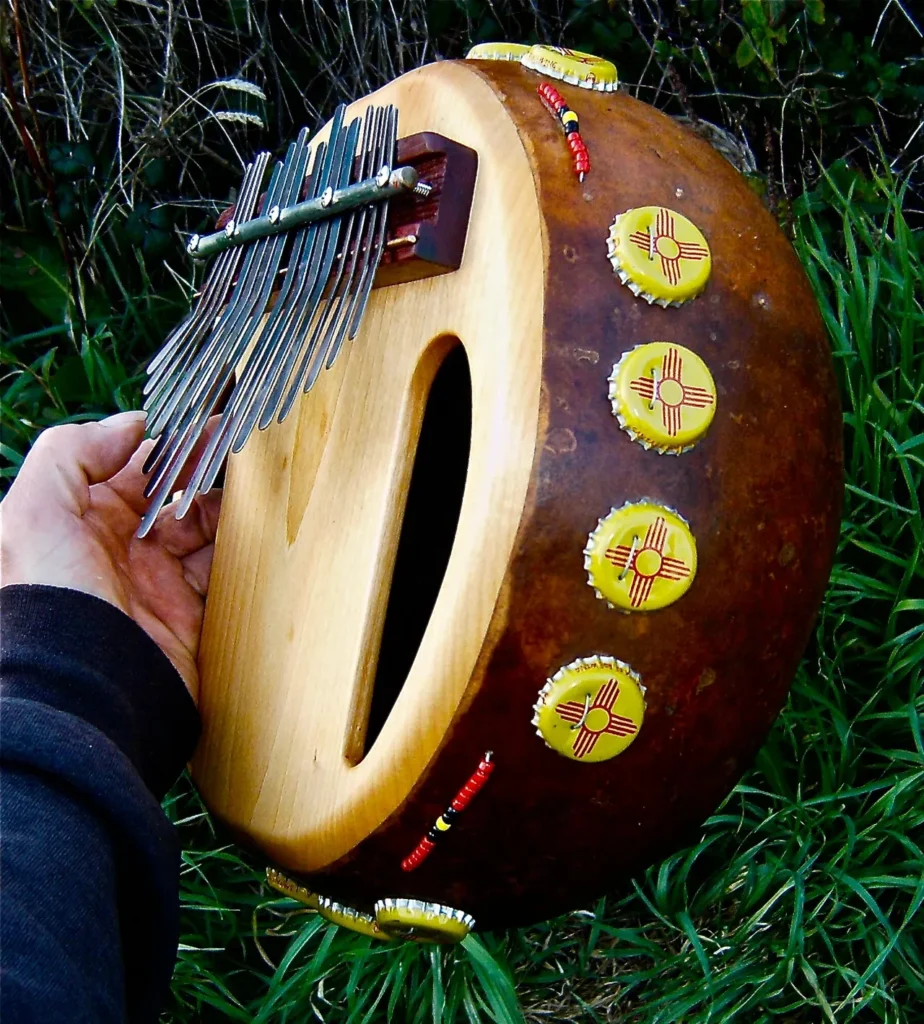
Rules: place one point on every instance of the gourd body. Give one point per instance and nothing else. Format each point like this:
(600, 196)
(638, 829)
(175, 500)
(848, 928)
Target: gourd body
(312, 515)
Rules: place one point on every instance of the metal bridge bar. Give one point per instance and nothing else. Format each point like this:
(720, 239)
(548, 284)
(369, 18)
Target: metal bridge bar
(331, 203)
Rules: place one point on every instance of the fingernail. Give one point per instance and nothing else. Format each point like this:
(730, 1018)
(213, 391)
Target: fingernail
(122, 419)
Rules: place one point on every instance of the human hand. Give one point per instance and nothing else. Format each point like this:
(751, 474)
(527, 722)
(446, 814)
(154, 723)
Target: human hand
(69, 520)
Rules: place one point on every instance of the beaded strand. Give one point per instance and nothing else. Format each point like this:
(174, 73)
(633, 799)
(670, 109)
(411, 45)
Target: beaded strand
(444, 822)
(553, 100)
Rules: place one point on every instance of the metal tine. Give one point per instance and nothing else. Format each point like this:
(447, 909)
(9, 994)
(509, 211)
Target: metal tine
(382, 156)
(243, 394)
(250, 298)
(372, 246)
(164, 358)
(373, 256)
(296, 379)
(171, 356)
(173, 375)
(190, 406)
(276, 330)
(177, 405)
(211, 292)
(332, 308)
(382, 214)
(334, 314)
(248, 187)
(244, 418)
(308, 301)
(245, 423)
(187, 375)
(321, 277)
(167, 470)
(339, 289)
(201, 390)
(316, 269)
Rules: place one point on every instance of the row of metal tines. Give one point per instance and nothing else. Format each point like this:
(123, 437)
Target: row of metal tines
(267, 356)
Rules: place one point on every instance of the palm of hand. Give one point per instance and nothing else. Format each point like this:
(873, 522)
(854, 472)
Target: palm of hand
(68, 522)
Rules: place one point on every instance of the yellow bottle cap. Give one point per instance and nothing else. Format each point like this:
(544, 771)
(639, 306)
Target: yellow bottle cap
(289, 887)
(659, 254)
(591, 710)
(663, 396)
(497, 51)
(423, 922)
(354, 920)
(573, 67)
(641, 557)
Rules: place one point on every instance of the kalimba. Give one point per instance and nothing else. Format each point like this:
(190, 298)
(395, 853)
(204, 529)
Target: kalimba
(505, 604)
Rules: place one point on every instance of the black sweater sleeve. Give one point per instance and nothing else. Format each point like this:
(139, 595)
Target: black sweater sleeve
(95, 724)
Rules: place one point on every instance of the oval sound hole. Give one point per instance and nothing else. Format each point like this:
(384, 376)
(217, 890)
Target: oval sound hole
(427, 531)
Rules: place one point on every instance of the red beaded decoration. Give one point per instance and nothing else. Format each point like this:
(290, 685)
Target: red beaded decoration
(556, 105)
(419, 855)
(474, 784)
(444, 822)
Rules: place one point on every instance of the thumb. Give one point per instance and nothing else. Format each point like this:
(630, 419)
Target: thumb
(66, 460)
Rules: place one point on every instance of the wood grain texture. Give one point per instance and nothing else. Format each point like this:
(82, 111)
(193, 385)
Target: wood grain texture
(762, 493)
(313, 511)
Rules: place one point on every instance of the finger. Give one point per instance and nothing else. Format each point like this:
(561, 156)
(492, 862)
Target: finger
(66, 460)
(130, 482)
(196, 530)
(197, 567)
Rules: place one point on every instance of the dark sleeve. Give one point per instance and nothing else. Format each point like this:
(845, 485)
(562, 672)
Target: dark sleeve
(95, 725)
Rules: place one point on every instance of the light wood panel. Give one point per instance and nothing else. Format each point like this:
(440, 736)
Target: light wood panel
(311, 519)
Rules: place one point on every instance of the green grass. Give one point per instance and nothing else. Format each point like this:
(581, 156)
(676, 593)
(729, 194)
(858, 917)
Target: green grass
(802, 901)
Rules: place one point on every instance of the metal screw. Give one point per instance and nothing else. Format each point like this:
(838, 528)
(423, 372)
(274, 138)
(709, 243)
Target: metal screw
(402, 240)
